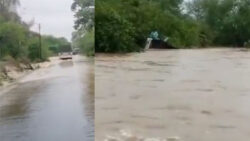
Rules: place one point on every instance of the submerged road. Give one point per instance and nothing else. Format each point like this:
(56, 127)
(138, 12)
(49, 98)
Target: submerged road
(50, 104)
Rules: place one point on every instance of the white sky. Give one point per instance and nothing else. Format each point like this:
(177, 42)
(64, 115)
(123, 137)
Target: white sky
(55, 16)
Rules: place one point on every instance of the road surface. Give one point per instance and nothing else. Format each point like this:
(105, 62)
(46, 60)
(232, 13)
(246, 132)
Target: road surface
(50, 104)
(173, 95)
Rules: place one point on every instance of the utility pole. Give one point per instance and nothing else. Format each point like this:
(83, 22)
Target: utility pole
(40, 42)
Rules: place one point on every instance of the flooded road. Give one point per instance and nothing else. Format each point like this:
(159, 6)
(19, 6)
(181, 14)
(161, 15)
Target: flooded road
(50, 104)
(173, 95)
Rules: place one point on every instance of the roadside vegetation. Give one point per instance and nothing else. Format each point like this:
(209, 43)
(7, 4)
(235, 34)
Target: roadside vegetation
(124, 25)
(84, 36)
(19, 46)
(18, 41)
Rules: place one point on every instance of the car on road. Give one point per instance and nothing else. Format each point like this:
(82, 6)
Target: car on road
(66, 55)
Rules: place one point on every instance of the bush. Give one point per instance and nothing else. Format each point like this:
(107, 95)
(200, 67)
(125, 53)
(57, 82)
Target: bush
(13, 40)
(34, 50)
(87, 43)
(113, 32)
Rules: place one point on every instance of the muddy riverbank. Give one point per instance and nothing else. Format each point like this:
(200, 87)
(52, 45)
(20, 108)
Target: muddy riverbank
(180, 95)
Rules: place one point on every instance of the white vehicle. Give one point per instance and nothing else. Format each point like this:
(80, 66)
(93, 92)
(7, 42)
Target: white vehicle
(65, 55)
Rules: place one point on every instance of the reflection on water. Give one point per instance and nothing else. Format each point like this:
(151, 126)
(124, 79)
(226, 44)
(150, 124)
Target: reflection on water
(50, 104)
(17, 106)
(65, 64)
(88, 99)
(173, 95)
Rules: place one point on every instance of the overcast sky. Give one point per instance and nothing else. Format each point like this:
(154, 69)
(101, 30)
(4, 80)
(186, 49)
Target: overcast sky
(55, 16)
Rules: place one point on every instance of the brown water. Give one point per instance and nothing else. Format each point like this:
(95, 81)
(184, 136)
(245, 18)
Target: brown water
(173, 95)
(51, 104)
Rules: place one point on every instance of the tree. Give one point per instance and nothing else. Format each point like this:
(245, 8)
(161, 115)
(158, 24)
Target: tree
(124, 25)
(12, 39)
(228, 19)
(83, 38)
(84, 13)
(113, 32)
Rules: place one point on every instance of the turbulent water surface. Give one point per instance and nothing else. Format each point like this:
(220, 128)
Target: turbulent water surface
(51, 104)
(173, 95)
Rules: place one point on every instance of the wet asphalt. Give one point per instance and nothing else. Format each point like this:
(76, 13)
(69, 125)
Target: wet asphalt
(50, 104)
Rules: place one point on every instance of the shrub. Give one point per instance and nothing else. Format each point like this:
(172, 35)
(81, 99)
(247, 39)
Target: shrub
(113, 32)
(87, 43)
(13, 40)
(34, 50)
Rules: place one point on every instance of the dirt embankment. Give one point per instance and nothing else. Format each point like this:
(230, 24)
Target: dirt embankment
(12, 70)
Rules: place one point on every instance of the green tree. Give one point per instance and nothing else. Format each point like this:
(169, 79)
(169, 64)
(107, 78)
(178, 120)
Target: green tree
(142, 17)
(227, 19)
(57, 45)
(84, 13)
(13, 40)
(113, 32)
(83, 38)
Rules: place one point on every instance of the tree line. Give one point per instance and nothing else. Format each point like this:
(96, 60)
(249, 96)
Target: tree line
(19, 42)
(84, 36)
(124, 25)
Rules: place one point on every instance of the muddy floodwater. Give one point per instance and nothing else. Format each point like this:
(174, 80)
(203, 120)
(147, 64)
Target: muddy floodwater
(173, 95)
(50, 104)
